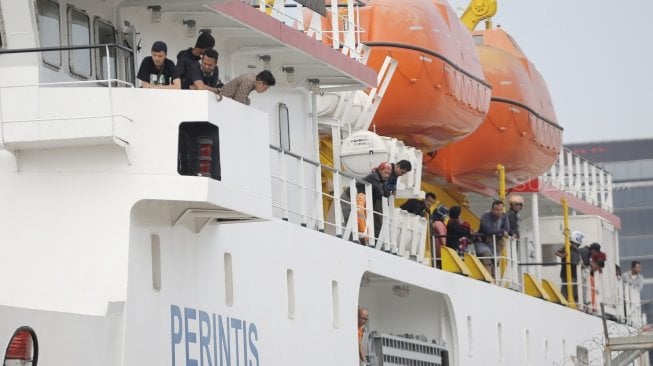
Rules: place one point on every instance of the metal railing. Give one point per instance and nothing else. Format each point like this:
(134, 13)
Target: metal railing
(299, 197)
(310, 194)
(107, 47)
(582, 179)
(347, 39)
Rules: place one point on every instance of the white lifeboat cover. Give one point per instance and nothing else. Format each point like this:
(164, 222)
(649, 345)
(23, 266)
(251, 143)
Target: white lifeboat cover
(362, 151)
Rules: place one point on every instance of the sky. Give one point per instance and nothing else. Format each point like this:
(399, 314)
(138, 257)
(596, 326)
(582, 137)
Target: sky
(596, 57)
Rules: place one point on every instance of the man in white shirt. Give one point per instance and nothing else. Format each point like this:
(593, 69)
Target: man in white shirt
(634, 277)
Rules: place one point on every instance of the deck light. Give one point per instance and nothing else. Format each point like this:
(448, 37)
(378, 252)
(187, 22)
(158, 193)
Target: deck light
(156, 13)
(191, 25)
(290, 73)
(266, 61)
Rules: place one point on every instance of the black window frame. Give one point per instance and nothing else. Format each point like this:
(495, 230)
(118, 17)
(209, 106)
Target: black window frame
(99, 63)
(38, 25)
(71, 53)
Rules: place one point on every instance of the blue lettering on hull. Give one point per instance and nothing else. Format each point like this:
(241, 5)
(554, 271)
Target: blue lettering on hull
(198, 338)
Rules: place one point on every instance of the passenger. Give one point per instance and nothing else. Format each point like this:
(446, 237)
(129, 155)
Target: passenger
(363, 316)
(402, 167)
(239, 88)
(634, 276)
(575, 239)
(516, 204)
(455, 230)
(586, 254)
(597, 262)
(188, 61)
(157, 71)
(210, 73)
(376, 178)
(420, 207)
(494, 228)
(439, 231)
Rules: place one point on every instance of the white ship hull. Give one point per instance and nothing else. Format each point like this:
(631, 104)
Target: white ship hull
(110, 256)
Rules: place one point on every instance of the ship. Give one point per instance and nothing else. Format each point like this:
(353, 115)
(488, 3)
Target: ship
(175, 227)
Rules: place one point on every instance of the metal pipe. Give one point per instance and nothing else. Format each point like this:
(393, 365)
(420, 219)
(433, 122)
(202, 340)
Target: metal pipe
(565, 216)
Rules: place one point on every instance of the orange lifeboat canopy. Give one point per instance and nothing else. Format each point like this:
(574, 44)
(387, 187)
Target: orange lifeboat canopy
(521, 130)
(437, 94)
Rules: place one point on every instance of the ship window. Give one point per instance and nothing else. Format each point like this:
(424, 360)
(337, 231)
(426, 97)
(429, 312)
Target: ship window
(284, 127)
(79, 34)
(500, 341)
(105, 34)
(290, 287)
(155, 244)
(470, 348)
(335, 304)
(478, 39)
(228, 281)
(23, 348)
(1, 28)
(546, 349)
(49, 34)
(527, 346)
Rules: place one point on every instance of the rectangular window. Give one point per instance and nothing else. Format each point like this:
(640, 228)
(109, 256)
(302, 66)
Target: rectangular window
(228, 281)
(79, 34)
(155, 244)
(284, 127)
(335, 304)
(105, 33)
(1, 28)
(290, 288)
(49, 34)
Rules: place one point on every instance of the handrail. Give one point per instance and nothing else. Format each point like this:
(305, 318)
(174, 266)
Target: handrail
(314, 163)
(434, 54)
(65, 48)
(106, 46)
(529, 109)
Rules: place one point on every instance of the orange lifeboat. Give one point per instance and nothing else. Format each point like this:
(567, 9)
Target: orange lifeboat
(521, 130)
(437, 94)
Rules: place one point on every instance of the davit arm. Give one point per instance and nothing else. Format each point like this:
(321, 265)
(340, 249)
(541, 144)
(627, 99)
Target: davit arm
(478, 10)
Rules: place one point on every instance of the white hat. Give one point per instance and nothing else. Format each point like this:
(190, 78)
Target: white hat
(577, 237)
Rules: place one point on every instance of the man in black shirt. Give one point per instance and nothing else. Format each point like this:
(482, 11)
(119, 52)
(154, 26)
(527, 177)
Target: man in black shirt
(188, 60)
(210, 73)
(419, 207)
(158, 72)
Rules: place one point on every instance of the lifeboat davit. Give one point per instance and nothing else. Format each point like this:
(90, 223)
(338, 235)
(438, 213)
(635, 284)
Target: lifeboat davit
(438, 93)
(521, 130)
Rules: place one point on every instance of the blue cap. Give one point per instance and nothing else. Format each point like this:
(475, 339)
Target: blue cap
(160, 46)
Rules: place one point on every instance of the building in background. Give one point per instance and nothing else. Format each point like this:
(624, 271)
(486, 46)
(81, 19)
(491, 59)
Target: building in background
(631, 164)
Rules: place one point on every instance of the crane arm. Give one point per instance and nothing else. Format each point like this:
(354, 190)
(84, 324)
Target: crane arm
(478, 10)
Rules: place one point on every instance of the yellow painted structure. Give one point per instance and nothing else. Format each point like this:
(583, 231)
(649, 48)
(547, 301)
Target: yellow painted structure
(555, 294)
(479, 10)
(532, 287)
(451, 262)
(565, 217)
(477, 269)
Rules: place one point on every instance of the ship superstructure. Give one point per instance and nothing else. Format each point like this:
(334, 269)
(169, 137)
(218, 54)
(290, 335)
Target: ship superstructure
(169, 227)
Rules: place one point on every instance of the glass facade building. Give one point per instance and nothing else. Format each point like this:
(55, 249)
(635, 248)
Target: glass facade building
(631, 164)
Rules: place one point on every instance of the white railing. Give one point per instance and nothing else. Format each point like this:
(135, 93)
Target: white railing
(293, 14)
(582, 179)
(298, 197)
